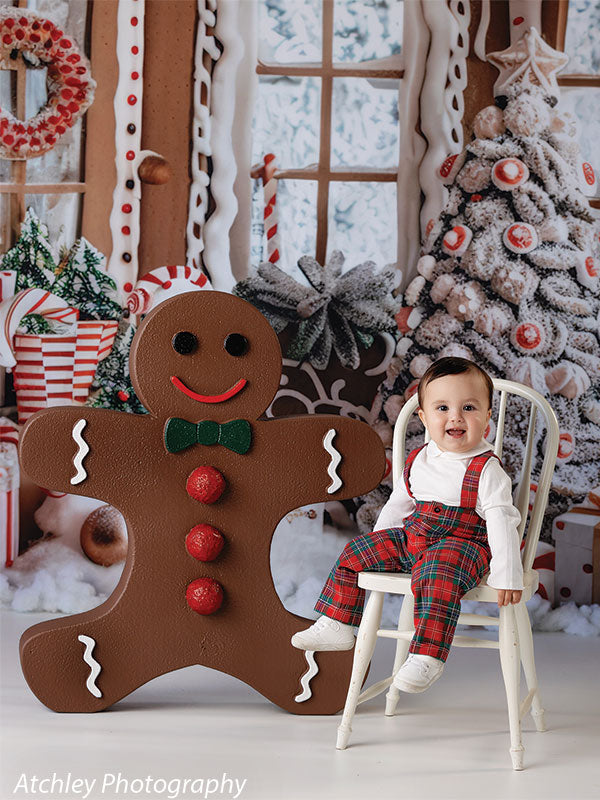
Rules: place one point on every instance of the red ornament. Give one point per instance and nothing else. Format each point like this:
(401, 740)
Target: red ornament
(588, 173)
(205, 484)
(204, 542)
(518, 20)
(123, 396)
(204, 595)
(590, 267)
(528, 336)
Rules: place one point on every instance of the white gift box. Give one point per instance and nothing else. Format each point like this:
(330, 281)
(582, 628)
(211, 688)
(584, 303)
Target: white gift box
(577, 537)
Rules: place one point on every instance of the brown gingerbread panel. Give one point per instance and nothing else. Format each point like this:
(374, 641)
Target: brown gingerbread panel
(206, 365)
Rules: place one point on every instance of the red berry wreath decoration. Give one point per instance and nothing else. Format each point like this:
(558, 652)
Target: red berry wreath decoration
(69, 83)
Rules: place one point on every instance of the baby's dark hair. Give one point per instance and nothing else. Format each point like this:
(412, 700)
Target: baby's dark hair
(453, 365)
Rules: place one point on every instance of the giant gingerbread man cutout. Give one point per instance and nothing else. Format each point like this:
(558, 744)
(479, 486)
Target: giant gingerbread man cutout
(198, 360)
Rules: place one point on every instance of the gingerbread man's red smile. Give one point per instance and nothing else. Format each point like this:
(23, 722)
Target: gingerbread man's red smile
(208, 398)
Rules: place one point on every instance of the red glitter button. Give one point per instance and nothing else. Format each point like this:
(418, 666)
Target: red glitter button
(132, 99)
(126, 208)
(204, 542)
(130, 155)
(204, 595)
(205, 484)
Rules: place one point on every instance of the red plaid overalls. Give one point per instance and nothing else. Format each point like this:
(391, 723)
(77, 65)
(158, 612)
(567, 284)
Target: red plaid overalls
(447, 549)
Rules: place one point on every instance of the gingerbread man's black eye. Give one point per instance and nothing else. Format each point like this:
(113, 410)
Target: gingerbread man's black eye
(236, 344)
(184, 343)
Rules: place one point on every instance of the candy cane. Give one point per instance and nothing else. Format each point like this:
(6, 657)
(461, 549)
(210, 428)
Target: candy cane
(29, 301)
(271, 216)
(162, 282)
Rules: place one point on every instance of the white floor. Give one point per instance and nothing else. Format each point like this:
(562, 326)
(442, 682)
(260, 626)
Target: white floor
(449, 742)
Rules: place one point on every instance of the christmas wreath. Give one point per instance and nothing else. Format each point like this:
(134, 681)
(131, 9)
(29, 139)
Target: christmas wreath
(69, 83)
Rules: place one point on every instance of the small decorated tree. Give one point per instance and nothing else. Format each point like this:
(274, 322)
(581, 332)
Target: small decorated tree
(84, 284)
(112, 387)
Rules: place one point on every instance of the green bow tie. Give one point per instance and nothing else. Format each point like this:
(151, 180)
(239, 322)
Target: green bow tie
(235, 435)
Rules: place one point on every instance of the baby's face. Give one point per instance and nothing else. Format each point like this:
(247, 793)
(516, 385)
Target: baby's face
(455, 411)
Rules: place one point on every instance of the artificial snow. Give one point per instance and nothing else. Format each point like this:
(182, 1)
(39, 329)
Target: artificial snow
(53, 576)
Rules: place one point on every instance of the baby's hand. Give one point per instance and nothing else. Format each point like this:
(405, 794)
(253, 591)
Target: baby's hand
(506, 596)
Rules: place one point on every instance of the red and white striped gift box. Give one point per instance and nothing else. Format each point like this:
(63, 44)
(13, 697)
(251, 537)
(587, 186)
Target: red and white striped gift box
(9, 491)
(55, 370)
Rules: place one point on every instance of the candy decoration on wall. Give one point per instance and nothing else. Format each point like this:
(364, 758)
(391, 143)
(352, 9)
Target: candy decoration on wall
(451, 166)
(206, 53)
(266, 172)
(125, 212)
(9, 491)
(69, 83)
(456, 240)
(161, 283)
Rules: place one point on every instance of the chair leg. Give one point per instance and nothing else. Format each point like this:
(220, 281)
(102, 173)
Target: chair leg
(363, 650)
(510, 660)
(405, 622)
(528, 660)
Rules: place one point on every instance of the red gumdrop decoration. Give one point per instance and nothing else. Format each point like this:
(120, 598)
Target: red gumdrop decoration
(135, 76)
(127, 287)
(204, 542)
(126, 208)
(205, 484)
(132, 99)
(518, 20)
(204, 595)
(125, 230)
(135, 50)
(130, 155)
(123, 396)
(134, 21)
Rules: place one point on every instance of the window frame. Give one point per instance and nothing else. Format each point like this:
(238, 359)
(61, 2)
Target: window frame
(327, 70)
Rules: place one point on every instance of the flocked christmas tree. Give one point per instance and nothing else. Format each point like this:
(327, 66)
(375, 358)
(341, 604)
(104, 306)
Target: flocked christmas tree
(112, 387)
(508, 276)
(84, 284)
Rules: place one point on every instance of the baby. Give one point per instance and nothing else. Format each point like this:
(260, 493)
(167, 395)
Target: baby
(449, 520)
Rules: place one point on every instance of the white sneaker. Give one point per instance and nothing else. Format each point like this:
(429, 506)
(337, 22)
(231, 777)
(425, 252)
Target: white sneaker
(418, 673)
(325, 634)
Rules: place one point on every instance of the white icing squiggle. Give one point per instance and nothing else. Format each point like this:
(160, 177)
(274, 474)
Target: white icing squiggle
(305, 680)
(336, 481)
(84, 449)
(480, 37)
(217, 255)
(200, 131)
(92, 663)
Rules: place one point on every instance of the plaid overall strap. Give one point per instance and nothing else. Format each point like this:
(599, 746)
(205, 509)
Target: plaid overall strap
(470, 486)
(408, 464)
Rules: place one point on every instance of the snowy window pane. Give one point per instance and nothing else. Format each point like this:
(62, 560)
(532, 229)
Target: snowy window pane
(286, 120)
(582, 42)
(362, 221)
(364, 123)
(290, 31)
(62, 162)
(60, 212)
(366, 29)
(585, 104)
(296, 215)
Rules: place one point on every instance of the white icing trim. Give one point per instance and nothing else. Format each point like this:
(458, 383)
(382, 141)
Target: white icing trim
(217, 227)
(481, 36)
(453, 95)
(436, 127)
(415, 46)
(94, 666)
(84, 449)
(336, 481)
(305, 680)
(128, 37)
(200, 131)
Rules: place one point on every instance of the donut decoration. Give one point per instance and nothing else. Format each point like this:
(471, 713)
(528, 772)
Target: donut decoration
(520, 237)
(508, 173)
(69, 83)
(161, 283)
(451, 166)
(528, 337)
(456, 240)
(588, 179)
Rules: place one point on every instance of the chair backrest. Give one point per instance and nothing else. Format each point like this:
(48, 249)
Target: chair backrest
(522, 493)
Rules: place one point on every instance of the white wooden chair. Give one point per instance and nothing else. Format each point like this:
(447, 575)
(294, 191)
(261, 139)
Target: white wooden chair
(514, 641)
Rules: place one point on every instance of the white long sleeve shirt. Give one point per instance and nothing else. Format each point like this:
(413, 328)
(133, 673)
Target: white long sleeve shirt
(437, 475)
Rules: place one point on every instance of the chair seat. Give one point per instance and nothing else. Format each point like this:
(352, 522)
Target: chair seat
(399, 583)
